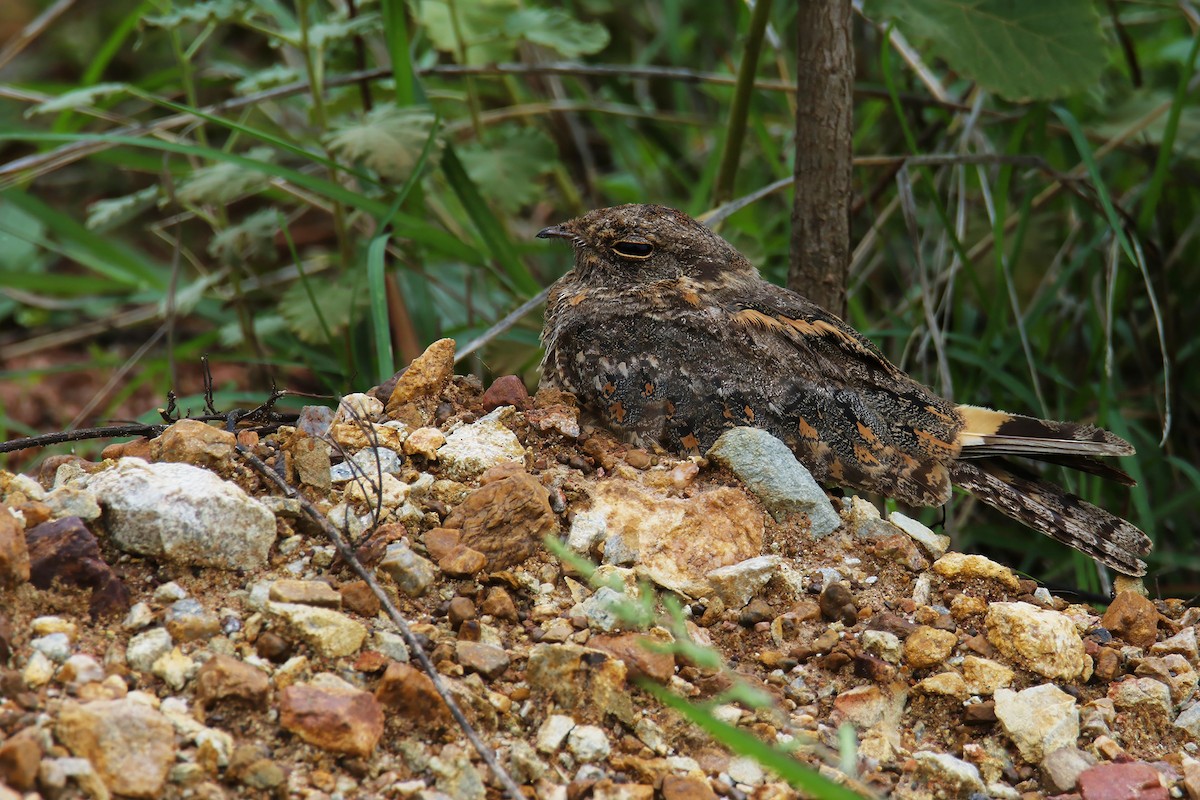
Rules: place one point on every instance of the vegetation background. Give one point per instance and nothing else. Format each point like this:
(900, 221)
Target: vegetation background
(308, 192)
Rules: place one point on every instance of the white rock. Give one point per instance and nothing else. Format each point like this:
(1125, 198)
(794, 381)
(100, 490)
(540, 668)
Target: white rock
(80, 669)
(1039, 639)
(1039, 720)
(946, 769)
(884, 644)
(650, 734)
(140, 616)
(738, 583)
(184, 514)
(146, 648)
(38, 670)
(604, 609)
(412, 573)
(43, 626)
(358, 407)
(367, 465)
(588, 530)
(934, 544)
(553, 731)
(331, 633)
(588, 743)
(169, 592)
(67, 501)
(474, 448)
(174, 668)
(55, 646)
(746, 771)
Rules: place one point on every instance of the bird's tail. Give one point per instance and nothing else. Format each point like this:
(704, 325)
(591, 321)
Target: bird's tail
(998, 433)
(1055, 512)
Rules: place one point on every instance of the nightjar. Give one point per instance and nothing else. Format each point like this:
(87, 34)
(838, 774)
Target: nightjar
(668, 336)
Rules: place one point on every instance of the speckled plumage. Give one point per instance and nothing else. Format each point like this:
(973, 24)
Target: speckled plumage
(669, 336)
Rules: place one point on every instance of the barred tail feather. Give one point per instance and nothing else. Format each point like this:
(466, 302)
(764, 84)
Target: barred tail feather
(996, 433)
(1047, 508)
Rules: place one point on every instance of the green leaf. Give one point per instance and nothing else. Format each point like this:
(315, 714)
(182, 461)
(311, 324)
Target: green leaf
(388, 140)
(19, 252)
(341, 303)
(558, 30)
(481, 23)
(251, 240)
(225, 182)
(272, 76)
(107, 214)
(508, 166)
(211, 11)
(1019, 49)
(79, 98)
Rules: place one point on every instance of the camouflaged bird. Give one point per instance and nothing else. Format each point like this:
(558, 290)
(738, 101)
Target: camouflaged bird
(668, 336)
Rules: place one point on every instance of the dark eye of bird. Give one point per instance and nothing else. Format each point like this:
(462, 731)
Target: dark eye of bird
(627, 249)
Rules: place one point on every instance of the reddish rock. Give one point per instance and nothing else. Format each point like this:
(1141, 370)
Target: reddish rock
(225, 676)
(67, 551)
(131, 746)
(342, 720)
(140, 447)
(370, 661)
(6, 638)
(462, 562)
(679, 787)
(488, 660)
(358, 597)
(506, 520)
(499, 604)
(19, 758)
(1135, 780)
(506, 391)
(14, 554)
(461, 609)
(418, 387)
(190, 441)
(410, 693)
(440, 541)
(1132, 617)
(641, 660)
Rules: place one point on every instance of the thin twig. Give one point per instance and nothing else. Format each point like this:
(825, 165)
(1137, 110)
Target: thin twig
(348, 555)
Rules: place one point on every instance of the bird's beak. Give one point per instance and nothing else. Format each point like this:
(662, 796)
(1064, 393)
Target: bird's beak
(555, 232)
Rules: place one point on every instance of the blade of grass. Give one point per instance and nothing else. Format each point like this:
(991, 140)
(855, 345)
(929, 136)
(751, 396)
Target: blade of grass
(735, 131)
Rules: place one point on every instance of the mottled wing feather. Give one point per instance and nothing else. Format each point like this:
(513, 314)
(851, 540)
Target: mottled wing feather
(1056, 513)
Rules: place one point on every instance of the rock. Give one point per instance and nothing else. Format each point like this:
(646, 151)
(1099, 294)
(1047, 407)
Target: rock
(223, 677)
(130, 745)
(553, 732)
(588, 743)
(331, 633)
(1132, 617)
(934, 544)
(1147, 694)
(309, 593)
(770, 470)
(462, 562)
(342, 720)
(367, 465)
(1135, 780)
(184, 514)
(608, 610)
(413, 574)
(14, 554)
(1062, 767)
(1182, 643)
(67, 501)
(505, 520)
(961, 568)
(678, 542)
(928, 647)
(358, 597)
(884, 644)
(411, 694)
(190, 441)
(19, 758)
(951, 776)
(474, 448)
(1189, 720)
(188, 621)
(38, 670)
(488, 660)
(869, 706)
(639, 655)
(424, 442)
(686, 787)
(358, 407)
(1041, 640)
(146, 648)
(55, 646)
(1038, 720)
(457, 777)
(837, 603)
(508, 390)
(310, 460)
(174, 668)
(746, 771)
(80, 669)
(580, 678)
(948, 684)
(985, 676)
(314, 421)
(1173, 670)
(738, 583)
(65, 550)
(423, 382)
(499, 604)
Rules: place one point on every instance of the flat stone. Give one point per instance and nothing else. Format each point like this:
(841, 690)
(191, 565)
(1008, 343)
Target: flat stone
(1147, 694)
(948, 684)
(1038, 720)
(488, 660)
(639, 655)
(686, 787)
(1132, 617)
(588, 743)
(184, 514)
(472, 449)
(553, 732)
(934, 544)
(66, 551)
(130, 745)
(952, 776)
(580, 679)
(342, 720)
(410, 693)
(367, 465)
(462, 562)
(14, 554)
(311, 460)
(770, 470)
(331, 633)
(738, 583)
(1062, 767)
(412, 573)
(358, 597)
(1135, 780)
(147, 647)
(309, 593)
(499, 604)
(223, 677)
(1041, 640)
(506, 520)
(984, 676)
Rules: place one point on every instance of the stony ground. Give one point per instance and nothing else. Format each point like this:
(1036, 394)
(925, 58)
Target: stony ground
(171, 626)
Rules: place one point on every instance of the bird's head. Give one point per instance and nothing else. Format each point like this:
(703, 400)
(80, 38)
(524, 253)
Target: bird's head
(639, 244)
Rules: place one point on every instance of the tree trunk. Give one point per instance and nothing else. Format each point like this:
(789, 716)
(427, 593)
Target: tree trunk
(820, 250)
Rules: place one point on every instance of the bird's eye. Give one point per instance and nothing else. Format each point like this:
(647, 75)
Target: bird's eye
(638, 250)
